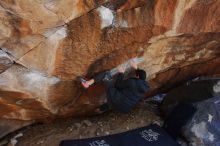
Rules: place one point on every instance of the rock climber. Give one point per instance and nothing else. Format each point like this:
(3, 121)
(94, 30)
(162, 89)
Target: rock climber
(123, 94)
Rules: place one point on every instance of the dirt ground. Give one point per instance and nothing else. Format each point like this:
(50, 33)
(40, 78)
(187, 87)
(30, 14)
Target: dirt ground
(105, 124)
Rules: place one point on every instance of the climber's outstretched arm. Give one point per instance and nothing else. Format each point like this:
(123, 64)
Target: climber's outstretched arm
(97, 78)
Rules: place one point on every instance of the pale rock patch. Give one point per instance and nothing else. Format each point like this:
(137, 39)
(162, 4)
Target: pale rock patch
(106, 15)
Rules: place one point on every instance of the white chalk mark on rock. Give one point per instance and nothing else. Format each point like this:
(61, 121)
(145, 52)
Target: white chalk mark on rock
(106, 15)
(14, 140)
(3, 54)
(54, 37)
(180, 10)
(123, 23)
(56, 33)
(36, 79)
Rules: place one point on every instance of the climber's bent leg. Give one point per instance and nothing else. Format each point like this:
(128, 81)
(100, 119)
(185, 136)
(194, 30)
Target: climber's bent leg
(102, 76)
(106, 105)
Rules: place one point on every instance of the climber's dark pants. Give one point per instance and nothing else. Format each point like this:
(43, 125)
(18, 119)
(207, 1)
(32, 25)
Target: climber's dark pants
(107, 79)
(104, 77)
(100, 76)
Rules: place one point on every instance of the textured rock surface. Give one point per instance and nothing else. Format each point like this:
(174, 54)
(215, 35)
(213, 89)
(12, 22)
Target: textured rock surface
(8, 126)
(46, 44)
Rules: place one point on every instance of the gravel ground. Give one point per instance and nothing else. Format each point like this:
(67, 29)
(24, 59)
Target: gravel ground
(108, 123)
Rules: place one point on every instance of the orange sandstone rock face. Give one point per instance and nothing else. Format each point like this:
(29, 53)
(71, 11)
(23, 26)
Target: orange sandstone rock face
(46, 45)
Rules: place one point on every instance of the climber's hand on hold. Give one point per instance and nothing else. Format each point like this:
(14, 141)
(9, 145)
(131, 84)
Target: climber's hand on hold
(121, 69)
(85, 84)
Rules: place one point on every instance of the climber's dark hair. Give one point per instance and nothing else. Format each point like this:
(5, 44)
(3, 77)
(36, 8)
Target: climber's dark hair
(141, 74)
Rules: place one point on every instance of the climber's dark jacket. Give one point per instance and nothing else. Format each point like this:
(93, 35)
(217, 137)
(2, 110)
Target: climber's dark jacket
(125, 94)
